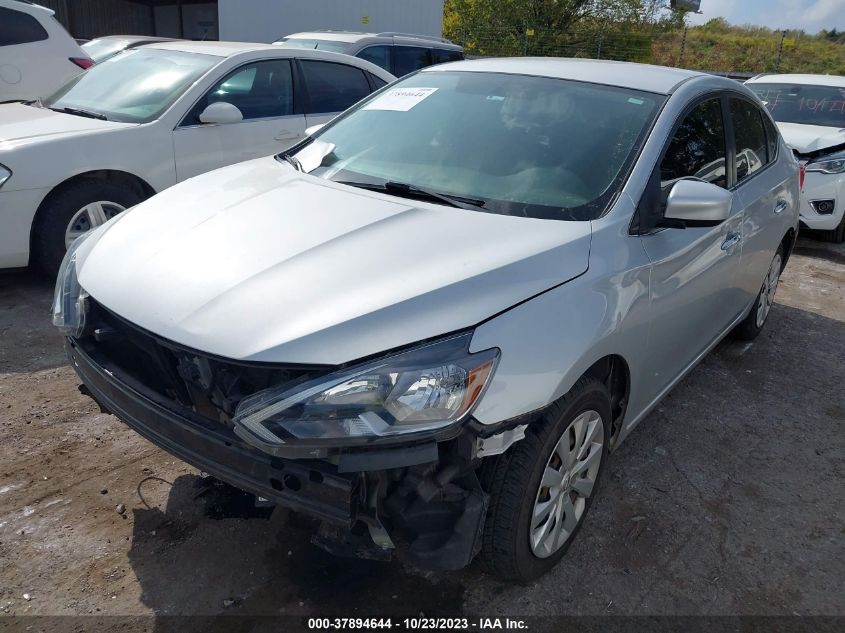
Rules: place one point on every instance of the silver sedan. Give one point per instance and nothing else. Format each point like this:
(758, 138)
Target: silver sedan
(431, 321)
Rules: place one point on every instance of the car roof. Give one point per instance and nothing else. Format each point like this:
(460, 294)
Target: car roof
(800, 79)
(134, 38)
(219, 49)
(357, 36)
(659, 79)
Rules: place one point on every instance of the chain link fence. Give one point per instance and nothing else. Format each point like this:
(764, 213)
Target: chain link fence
(728, 53)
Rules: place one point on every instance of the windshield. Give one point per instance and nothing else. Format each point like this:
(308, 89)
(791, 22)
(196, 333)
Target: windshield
(322, 45)
(134, 87)
(810, 105)
(511, 144)
(101, 50)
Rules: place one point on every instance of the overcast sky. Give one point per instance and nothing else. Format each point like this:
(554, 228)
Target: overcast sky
(810, 15)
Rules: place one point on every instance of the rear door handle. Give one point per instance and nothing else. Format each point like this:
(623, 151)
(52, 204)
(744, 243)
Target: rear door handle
(731, 240)
(781, 205)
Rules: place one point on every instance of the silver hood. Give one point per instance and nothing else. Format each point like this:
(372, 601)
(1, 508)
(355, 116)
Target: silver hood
(259, 262)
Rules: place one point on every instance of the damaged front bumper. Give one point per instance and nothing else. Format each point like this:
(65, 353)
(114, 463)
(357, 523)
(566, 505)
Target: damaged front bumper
(423, 497)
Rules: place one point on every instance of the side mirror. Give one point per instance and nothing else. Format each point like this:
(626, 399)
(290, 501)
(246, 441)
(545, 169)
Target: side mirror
(221, 112)
(313, 129)
(697, 203)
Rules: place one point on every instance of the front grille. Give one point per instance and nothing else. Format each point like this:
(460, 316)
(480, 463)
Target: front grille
(179, 377)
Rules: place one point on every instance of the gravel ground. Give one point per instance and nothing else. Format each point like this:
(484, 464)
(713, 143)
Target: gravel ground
(727, 500)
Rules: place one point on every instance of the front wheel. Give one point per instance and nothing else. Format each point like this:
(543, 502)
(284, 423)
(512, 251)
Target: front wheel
(541, 489)
(753, 324)
(73, 210)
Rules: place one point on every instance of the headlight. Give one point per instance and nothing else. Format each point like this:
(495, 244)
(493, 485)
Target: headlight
(422, 390)
(69, 299)
(831, 165)
(5, 174)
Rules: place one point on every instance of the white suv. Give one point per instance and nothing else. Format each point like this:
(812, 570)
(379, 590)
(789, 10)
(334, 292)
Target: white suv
(36, 53)
(398, 53)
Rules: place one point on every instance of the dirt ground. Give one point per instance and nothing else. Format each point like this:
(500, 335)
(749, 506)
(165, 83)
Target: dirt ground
(727, 500)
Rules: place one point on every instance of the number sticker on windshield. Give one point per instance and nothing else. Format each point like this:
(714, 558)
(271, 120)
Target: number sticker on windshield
(400, 99)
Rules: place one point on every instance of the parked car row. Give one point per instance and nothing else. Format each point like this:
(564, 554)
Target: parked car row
(141, 121)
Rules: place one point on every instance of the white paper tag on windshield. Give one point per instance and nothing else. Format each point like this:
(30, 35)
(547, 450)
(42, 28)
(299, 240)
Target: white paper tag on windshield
(400, 99)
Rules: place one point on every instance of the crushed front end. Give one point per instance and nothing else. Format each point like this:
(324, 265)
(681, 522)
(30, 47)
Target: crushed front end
(337, 453)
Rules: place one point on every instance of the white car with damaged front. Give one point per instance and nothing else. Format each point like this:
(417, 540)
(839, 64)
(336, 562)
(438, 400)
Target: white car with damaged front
(810, 112)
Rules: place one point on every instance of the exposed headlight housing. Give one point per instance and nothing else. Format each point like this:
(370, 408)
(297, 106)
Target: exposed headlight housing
(5, 174)
(834, 164)
(421, 391)
(70, 301)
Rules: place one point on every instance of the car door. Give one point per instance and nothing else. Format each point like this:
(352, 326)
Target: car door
(693, 288)
(264, 93)
(763, 189)
(331, 88)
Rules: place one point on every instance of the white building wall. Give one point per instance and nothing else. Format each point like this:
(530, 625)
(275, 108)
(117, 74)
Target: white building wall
(267, 20)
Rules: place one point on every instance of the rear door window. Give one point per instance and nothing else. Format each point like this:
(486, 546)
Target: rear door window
(441, 56)
(407, 59)
(378, 55)
(333, 87)
(17, 27)
(772, 138)
(750, 138)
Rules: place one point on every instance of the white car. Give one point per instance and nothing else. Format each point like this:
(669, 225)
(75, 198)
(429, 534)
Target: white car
(810, 112)
(430, 322)
(150, 117)
(37, 56)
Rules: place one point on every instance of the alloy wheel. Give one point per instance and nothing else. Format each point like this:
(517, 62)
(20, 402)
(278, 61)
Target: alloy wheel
(767, 292)
(90, 217)
(568, 481)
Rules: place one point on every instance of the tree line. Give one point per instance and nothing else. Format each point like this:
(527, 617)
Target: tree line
(636, 30)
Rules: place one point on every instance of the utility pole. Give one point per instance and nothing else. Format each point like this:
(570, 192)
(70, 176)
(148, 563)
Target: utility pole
(780, 50)
(683, 47)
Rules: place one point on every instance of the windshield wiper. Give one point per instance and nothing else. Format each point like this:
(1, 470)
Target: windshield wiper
(412, 191)
(80, 112)
(293, 160)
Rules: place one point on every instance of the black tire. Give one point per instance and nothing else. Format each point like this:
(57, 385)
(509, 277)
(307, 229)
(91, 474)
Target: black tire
(48, 240)
(513, 480)
(748, 329)
(837, 235)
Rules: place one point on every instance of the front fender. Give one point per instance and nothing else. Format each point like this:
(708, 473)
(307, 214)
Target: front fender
(549, 342)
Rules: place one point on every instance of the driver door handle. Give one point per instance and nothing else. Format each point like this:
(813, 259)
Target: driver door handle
(731, 240)
(781, 205)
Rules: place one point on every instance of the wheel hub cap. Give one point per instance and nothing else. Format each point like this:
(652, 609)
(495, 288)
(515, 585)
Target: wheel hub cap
(90, 217)
(767, 292)
(567, 482)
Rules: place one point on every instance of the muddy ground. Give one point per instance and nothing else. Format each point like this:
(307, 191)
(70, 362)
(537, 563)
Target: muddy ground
(728, 499)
